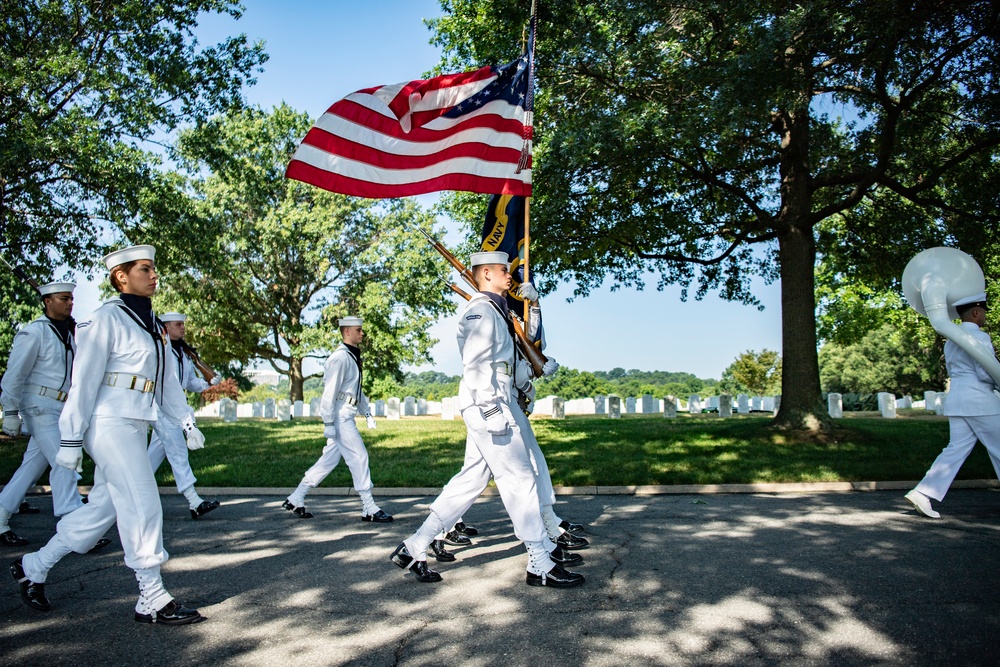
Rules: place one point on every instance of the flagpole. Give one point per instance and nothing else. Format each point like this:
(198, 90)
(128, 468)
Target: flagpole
(527, 200)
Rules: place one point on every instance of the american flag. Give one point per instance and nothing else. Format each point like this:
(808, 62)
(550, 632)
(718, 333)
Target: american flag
(470, 131)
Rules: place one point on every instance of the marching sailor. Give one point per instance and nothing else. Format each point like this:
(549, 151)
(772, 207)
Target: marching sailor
(342, 401)
(122, 384)
(487, 401)
(972, 408)
(168, 439)
(38, 377)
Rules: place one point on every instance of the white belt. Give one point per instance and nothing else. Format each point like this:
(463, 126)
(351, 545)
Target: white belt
(347, 398)
(134, 382)
(47, 392)
(502, 367)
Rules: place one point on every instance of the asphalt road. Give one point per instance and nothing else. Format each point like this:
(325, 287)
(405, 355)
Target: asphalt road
(753, 579)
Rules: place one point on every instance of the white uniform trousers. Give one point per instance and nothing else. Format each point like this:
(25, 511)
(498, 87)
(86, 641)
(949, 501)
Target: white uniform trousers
(168, 441)
(124, 491)
(964, 433)
(346, 444)
(506, 458)
(40, 454)
(546, 494)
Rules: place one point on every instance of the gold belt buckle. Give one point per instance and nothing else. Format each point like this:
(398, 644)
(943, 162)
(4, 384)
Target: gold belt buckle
(149, 386)
(61, 396)
(131, 385)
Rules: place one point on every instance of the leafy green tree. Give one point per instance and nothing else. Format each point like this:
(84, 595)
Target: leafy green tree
(705, 142)
(87, 90)
(755, 373)
(266, 265)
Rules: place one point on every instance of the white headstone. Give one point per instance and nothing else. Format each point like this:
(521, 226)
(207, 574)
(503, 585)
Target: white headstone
(930, 400)
(269, 409)
(767, 404)
(433, 407)
(756, 404)
(380, 408)
(629, 406)
(600, 405)
(258, 409)
(889, 407)
(244, 410)
(648, 407)
(543, 406)
(448, 408)
(421, 406)
(228, 410)
(314, 406)
(558, 408)
(725, 405)
(298, 408)
(713, 402)
(904, 403)
(939, 406)
(614, 407)
(883, 396)
(581, 406)
(694, 404)
(835, 405)
(409, 407)
(670, 407)
(743, 404)
(392, 408)
(284, 410)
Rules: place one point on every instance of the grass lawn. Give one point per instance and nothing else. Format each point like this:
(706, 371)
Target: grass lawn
(581, 451)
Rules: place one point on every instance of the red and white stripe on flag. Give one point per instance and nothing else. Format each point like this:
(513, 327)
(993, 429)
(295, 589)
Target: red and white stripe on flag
(414, 138)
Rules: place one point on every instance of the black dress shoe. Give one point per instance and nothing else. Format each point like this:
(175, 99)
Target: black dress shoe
(12, 539)
(575, 528)
(26, 508)
(378, 517)
(452, 537)
(572, 542)
(403, 559)
(297, 511)
(33, 594)
(561, 557)
(101, 543)
(205, 507)
(557, 577)
(441, 554)
(463, 529)
(173, 614)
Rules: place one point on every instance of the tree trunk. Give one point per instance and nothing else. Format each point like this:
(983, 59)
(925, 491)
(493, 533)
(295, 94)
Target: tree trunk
(295, 379)
(801, 396)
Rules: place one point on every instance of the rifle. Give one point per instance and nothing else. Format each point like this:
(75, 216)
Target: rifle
(21, 274)
(203, 368)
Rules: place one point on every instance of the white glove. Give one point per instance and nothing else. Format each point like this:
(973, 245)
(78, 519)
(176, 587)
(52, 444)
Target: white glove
(195, 438)
(12, 423)
(496, 423)
(528, 292)
(550, 367)
(370, 421)
(329, 431)
(215, 380)
(70, 457)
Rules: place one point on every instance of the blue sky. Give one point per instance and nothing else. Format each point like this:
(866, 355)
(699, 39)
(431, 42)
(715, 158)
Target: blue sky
(322, 51)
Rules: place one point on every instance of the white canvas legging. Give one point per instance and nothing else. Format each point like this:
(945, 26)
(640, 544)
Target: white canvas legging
(347, 443)
(168, 442)
(124, 491)
(41, 453)
(965, 431)
(506, 457)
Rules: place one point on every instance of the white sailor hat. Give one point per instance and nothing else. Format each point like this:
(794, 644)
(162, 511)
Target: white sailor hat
(480, 258)
(349, 322)
(55, 288)
(130, 254)
(971, 302)
(172, 317)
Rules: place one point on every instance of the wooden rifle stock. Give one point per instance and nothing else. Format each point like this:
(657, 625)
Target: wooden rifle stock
(203, 368)
(21, 274)
(528, 349)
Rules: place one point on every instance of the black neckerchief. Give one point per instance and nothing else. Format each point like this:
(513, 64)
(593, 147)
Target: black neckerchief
(500, 303)
(355, 353)
(143, 307)
(64, 330)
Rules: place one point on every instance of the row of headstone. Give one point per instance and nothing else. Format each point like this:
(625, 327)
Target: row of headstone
(888, 404)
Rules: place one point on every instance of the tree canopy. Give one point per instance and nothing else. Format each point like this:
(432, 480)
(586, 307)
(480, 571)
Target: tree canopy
(704, 144)
(265, 266)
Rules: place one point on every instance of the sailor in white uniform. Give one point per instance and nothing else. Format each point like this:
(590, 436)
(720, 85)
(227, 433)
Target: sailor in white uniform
(168, 438)
(122, 384)
(35, 384)
(972, 408)
(341, 403)
(488, 402)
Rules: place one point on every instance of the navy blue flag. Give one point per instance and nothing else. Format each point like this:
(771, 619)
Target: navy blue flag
(503, 231)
